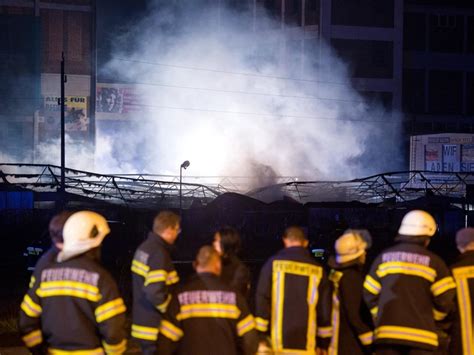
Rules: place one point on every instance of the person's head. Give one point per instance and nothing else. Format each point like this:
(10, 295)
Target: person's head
(227, 241)
(417, 225)
(295, 237)
(56, 225)
(167, 225)
(83, 231)
(351, 246)
(208, 260)
(465, 239)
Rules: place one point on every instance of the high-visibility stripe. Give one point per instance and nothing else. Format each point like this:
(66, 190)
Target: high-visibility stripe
(374, 311)
(261, 324)
(33, 338)
(297, 268)
(437, 315)
(113, 349)
(443, 285)
(155, 276)
(406, 333)
(312, 299)
(139, 268)
(171, 331)
(324, 332)
(32, 281)
(164, 306)
(245, 325)
(172, 278)
(372, 285)
(145, 333)
(31, 308)
(366, 338)
(97, 351)
(401, 267)
(278, 295)
(208, 310)
(109, 310)
(462, 275)
(69, 288)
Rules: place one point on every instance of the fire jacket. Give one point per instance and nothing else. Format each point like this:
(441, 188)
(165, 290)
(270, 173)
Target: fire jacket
(407, 289)
(46, 259)
(74, 306)
(351, 321)
(235, 274)
(208, 317)
(152, 275)
(462, 335)
(293, 302)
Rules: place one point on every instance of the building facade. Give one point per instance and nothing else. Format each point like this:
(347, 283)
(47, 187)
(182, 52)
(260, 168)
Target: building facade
(33, 36)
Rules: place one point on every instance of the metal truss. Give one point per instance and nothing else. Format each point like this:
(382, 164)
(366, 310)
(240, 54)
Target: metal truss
(128, 190)
(398, 186)
(163, 190)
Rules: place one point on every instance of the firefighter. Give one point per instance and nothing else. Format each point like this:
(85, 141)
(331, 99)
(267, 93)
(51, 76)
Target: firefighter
(234, 272)
(293, 300)
(75, 306)
(153, 275)
(462, 334)
(407, 289)
(351, 321)
(207, 316)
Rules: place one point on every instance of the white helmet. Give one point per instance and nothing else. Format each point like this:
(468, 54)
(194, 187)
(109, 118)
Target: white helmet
(82, 231)
(418, 223)
(349, 247)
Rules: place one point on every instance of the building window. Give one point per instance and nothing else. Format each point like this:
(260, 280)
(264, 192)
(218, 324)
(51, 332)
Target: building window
(268, 14)
(293, 12)
(470, 93)
(372, 13)
(470, 34)
(446, 33)
(413, 98)
(445, 92)
(378, 98)
(366, 59)
(311, 12)
(414, 31)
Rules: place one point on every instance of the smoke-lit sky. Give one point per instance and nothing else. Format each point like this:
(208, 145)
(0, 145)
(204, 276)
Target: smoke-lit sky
(231, 100)
(234, 102)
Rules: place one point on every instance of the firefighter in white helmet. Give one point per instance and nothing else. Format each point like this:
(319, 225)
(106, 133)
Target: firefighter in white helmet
(75, 306)
(351, 321)
(408, 289)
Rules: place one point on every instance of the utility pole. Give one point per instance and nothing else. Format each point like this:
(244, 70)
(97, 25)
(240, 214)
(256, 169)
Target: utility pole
(63, 153)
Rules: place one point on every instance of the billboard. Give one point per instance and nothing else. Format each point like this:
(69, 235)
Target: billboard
(442, 152)
(115, 100)
(76, 116)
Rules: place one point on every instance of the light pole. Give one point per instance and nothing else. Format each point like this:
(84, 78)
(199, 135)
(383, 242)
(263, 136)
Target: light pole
(185, 165)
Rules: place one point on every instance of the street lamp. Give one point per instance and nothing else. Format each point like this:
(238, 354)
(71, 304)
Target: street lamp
(185, 165)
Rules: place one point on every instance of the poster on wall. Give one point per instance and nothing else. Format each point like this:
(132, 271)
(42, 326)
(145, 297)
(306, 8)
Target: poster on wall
(118, 99)
(77, 122)
(451, 157)
(433, 160)
(467, 158)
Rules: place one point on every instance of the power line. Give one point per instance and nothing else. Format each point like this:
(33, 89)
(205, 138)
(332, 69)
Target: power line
(264, 114)
(230, 72)
(304, 97)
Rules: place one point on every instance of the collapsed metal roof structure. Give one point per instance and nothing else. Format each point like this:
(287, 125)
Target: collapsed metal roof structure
(146, 190)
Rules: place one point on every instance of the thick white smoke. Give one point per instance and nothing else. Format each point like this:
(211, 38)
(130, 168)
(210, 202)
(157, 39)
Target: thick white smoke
(230, 99)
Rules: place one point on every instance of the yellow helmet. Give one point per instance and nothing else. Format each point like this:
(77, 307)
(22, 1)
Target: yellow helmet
(82, 231)
(349, 246)
(418, 223)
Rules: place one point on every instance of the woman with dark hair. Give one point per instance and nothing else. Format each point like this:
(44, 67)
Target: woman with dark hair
(234, 272)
